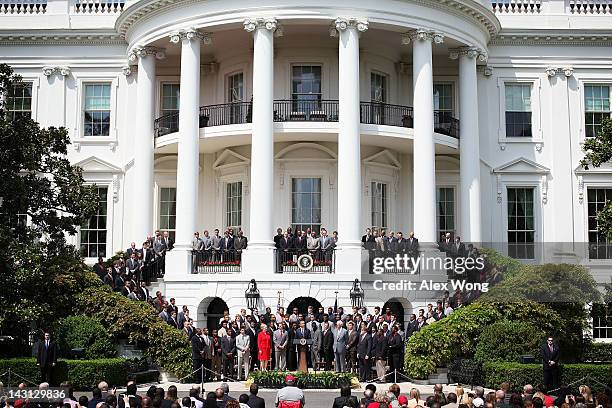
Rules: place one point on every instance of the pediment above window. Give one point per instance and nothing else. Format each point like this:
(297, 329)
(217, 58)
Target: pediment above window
(96, 165)
(384, 158)
(306, 152)
(521, 166)
(229, 158)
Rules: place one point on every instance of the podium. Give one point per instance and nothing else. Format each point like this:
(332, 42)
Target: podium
(302, 346)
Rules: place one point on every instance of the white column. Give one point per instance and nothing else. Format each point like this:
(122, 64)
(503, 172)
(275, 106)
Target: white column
(348, 255)
(470, 229)
(424, 155)
(259, 255)
(142, 185)
(188, 162)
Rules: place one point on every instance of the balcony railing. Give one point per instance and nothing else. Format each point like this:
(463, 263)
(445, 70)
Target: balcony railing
(216, 261)
(99, 6)
(376, 113)
(23, 6)
(590, 6)
(446, 124)
(516, 6)
(289, 261)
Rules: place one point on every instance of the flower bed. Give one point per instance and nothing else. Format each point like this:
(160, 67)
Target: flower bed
(319, 380)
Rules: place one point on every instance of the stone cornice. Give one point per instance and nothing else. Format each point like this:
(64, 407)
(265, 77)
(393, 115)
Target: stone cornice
(569, 37)
(43, 37)
(471, 10)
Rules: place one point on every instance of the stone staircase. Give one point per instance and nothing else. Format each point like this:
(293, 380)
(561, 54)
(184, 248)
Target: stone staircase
(440, 377)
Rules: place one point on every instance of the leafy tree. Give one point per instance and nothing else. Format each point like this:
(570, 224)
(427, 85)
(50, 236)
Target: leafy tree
(39, 271)
(598, 151)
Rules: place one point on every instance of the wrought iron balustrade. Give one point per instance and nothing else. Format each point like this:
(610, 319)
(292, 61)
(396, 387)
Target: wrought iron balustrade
(446, 124)
(288, 261)
(216, 261)
(379, 113)
(23, 6)
(287, 110)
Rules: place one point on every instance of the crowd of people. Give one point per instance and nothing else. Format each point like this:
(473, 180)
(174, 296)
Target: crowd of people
(291, 396)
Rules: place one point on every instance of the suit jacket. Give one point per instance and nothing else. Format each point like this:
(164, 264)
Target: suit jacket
(228, 345)
(548, 355)
(207, 349)
(168, 242)
(299, 243)
(316, 340)
(159, 246)
(458, 250)
(313, 243)
(302, 333)
(285, 243)
(216, 242)
(130, 251)
(340, 338)
(412, 245)
(327, 342)
(394, 344)
(325, 243)
(340, 402)
(352, 340)
(277, 239)
(46, 356)
(280, 340)
(240, 243)
(196, 244)
(243, 342)
(256, 402)
(364, 346)
(147, 255)
(132, 265)
(197, 345)
(206, 242)
(379, 346)
(227, 243)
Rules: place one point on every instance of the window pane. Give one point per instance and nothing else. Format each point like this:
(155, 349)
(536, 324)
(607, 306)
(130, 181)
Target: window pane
(521, 222)
(306, 203)
(599, 246)
(92, 234)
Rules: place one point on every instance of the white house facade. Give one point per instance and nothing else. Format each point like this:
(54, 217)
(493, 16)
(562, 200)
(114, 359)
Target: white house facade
(432, 116)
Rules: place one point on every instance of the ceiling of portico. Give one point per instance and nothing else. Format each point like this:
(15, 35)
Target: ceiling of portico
(233, 41)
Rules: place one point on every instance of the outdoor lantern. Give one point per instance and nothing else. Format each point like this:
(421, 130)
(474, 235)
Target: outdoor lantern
(252, 295)
(357, 294)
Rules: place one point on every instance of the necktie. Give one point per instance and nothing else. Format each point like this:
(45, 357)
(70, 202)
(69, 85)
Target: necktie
(47, 344)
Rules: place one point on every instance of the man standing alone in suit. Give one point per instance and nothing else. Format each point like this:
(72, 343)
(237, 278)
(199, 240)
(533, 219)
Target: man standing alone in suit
(46, 357)
(550, 360)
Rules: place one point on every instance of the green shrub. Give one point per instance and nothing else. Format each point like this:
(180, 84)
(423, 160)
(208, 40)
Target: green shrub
(138, 322)
(84, 332)
(593, 375)
(457, 335)
(321, 380)
(83, 374)
(507, 341)
(508, 266)
(597, 352)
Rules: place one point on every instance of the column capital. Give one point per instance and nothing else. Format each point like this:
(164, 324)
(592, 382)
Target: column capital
(61, 71)
(422, 35)
(269, 23)
(145, 51)
(344, 23)
(190, 34)
(470, 52)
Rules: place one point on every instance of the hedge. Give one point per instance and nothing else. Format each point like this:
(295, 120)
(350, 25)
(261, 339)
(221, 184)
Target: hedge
(597, 352)
(83, 374)
(320, 380)
(138, 322)
(454, 336)
(507, 341)
(84, 332)
(593, 375)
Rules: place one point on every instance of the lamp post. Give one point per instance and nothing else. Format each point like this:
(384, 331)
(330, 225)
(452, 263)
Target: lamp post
(357, 294)
(252, 295)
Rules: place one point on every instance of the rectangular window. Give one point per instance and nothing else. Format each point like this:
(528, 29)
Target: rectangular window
(596, 107)
(93, 232)
(599, 246)
(306, 204)
(96, 110)
(233, 205)
(443, 97)
(19, 101)
(518, 110)
(170, 98)
(306, 91)
(235, 94)
(379, 205)
(167, 210)
(521, 223)
(378, 87)
(446, 210)
(602, 321)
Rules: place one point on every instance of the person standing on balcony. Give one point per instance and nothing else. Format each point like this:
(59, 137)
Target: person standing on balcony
(285, 247)
(325, 244)
(240, 243)
(216, 245)
(313, 244)
(278, 237)
(206, 245)
(299, 243)
(227, 246)
(196, 247)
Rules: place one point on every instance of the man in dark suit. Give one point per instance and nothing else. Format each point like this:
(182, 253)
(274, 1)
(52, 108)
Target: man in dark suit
(254, 400)
(299, 242)
(100, 268)
(131, 250)
(197, 346)
(207, 354)
(367, 240)
(228, 350)
(411, 327)
(351, 347)
(46, 357)
(327, 349)
(364, 347)
(412, 245)
(278, 237)
(550, 361)
(227, 246)
(345, 397)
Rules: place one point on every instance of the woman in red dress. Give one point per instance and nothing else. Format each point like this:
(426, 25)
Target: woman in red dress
(264, 347)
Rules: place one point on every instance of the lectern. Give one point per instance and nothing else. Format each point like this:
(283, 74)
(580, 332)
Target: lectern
(302, 346)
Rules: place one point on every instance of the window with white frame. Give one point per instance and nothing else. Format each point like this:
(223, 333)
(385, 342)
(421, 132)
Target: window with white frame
(378, 87)
(443, 97)
(170, 98)
(596, 107)
(19, 101)
(602, 321)
(600, 247)
(93, 232)
(167, 210)
(306, 204)
(445, 198)
(379, 205)
(233, 205)
(96, 109)
(521, 222)
(518, 110)
(235, 95)
(306, 92)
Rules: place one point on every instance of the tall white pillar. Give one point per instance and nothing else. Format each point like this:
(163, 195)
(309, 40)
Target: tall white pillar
(142, 185)
(349, 251)
(188, 162)
(424, 155)
(469, 151)
(259, 255)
